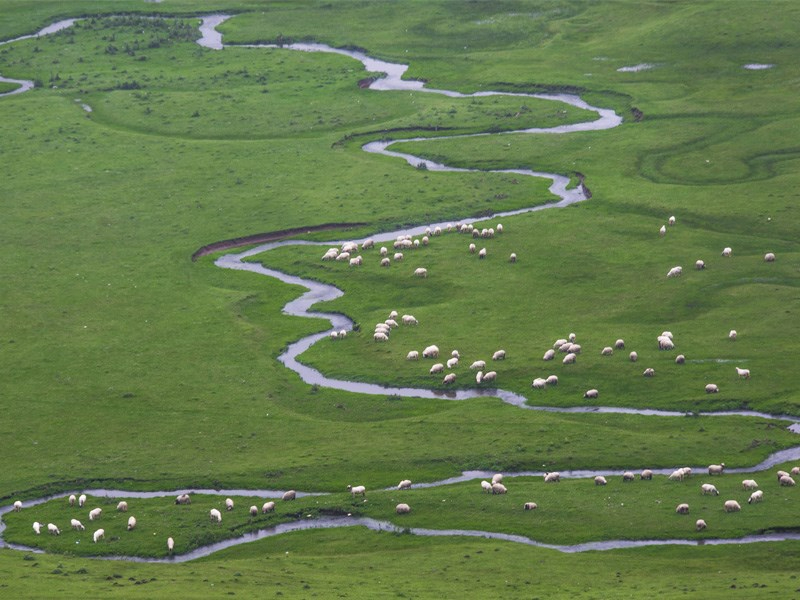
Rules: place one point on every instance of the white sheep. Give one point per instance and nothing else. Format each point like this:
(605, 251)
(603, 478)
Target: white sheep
(732, 335)
(76, 525)
(17, 506)
(486, 486)
(628, 476)
(795, 471)
(649, 372)
(699, 265)
(170, 545)
(552, 380)
(131, 523)
(215, 515)
(368, 244)
(539, 383)
(727, 251)
(449, 378)
(574, 348)
(607, 351)
(413, 355)
(100, 534)
(489, 376)
(431, 352)
(743, 373)
(409, 320)
(452, 363)
(456, 354)
(781, 474)
(379, 336)
(665, 343)
(268, 507)
(633, 356)
(667, 334)
(344, 256)
(559, 342)
(404, 484)
(482, 253)
(384, 251)
(52, 529)
(530, 506)
(95, 513)
(749, 484)
(552, 477)
(699, 525)
(571, 338)
(478, 364)
(786, 481)
(122, 506)
(391, 323)
(769, 257)
(398, 256)
(437, 231)
(716, 469)
(356, 262)
(183, 499)
(421, 272)
(708, 488)
(37, 527)
(732, 506)
(712, 388)
(675, 271)
(671, 220)
(677, 475)
(385, 262)
(499, 228)
(425, 240)
(592, 393)
(682, 509)
(349, 247)
(498, 488)
(600, 480)
(358, 490)
(569, 359)
(513, 257)
(619, 344)
(72, 500)
(646, 474)
(82, 500)
(472, 248)
(756, 496)
(680, 359)
(497, 478)
(402, 509)
(663, 230)
(549, 355)
(499, 355)
(416, 243)
(437, 368)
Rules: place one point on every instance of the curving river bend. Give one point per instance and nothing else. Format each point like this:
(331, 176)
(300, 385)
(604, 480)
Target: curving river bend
(318, 292)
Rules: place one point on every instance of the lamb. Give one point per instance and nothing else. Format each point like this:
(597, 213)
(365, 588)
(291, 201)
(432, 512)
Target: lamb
(170, 545)
(489, 376)
(712, 388)
(513, 257)
(215, 515)
(431, 352)
(478, 364)
(482, 253)
(122, 506)
(37, 527)
(486, 486)
(358, 490)
(413, 355)
(95, 513)
(786, 481)
(716, 469)
(749, 484)
(649, 372)
(402, 509)
(100, 534)
(82, 500)
(757, 496)
(675, 271)
(699, 525)
(569, 359)
(497, 478)
(131, 523)
(769, 257)
(498, 488)
(421, 272)
(552, 380)
(646, 474)
(607, 351)
(682, 509)
(409, 320)
(268, 507)
(549, 355)
(530, 506)
(539, 383)
(552, 477)
(593, 393)
(76, 525)
(437, 368)
(452, 363)
(732, 506)
(53, 529)
(499, 355)
(619, 344)
(732, 335)
(17, 506)
(72, 500)
(633, 356)
(699, 265)
(600, 480)
(680, 359)
(743, 373)
(449, 378)
(183, 499)
(727, 251)
(628, 476)
(404, 484)
(708, 488)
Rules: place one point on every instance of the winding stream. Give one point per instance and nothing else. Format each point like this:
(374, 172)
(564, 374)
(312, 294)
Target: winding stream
(318, 292)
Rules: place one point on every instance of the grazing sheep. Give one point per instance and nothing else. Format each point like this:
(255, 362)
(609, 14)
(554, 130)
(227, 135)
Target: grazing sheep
(100, 534)
(727, 251)
(486, 486)
(646, 474)
(732, 335)
(769, 257)
(786, 481)
(425, 240)
(682, 509)
(498, 488)
(497, 478)
(732, 506)
(437, 231)
(699, 265)
(398, 256)
(781, 474)
(391, 323)
(228, 504)
(552, 380)
(667, 334)
(569, 359)
(680, 359)
(633, 356)
(564, 348)
(716, 469)
(349, 247)
(795, 471)
(743, 373)
(712, 388)
(749, 484)
(183, 499)
(421, 272)
(687, 471)
(478, 364)
(756, 496)
(649, 372)
(402, 509)
(384, 251)
(607, 351)
(628, 476)
(215, 515)
(539, 383)
(592, 393)
(431, 352)
(253, 511)
(671, 220)
(72, 500)
(37, 527)
(122, 506)
(437, 368)
(489, 376)
(600, 480)
(552, 477)
(499, 228)
(530, 506)
(571, 338)
(675, 272)
(409, 320)
(479, 377)
(665, 343)
(700, 525)
(17, 506)
(379, 336)
(334, 335)
(663, 231)
(499, 355)
(95, 513)
(385, 262)
(708, 488)
(358, 490)
(170, 545)
(513, 257)
(449, 378)
(619, 344)
(482, 253)
(472, 248)
(356, 262)
(677, 475)
(404, 484)
(76, 525)
(560, 342)
(53, 529)
(131, 523)
(574, 348)
(413, 355)
(268, 507)
(549, 355)
(452, 363)
(344, 256)
(82, 500)
(455, 354)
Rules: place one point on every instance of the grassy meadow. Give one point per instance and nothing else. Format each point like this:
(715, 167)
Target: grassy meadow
(123, 364)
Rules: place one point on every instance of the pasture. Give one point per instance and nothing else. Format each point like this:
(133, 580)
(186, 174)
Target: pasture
(127, 365)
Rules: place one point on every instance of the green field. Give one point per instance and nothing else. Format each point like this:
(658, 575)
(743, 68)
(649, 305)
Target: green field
(124, 364)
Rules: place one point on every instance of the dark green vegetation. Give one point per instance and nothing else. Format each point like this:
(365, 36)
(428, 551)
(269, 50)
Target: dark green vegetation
(127, 365)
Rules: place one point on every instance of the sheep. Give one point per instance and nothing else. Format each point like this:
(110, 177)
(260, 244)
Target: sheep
(398, 256)
(628, 476)
(334, 335)
(646, 474)
(385, 262)
(732, 335)
(682, 509)
(498, 488)
(769, 257)
(404, 484)
(600, 480)
(677, 475)
(663, 231)
(680, 359)
(549, 355)
(633, 356)
(356, 262)
(53, 529)
(72, 500)
(716, 469)
(732, 506)
(499, 355)
(95, 513)
(82, 500)
(431, 352)
(370, 243)
(330, 254)
(391, 323)
(290, 495)
(472, 248)
(795, 471)
(667, 334)
(437, 231)
(449, 378)
(564, 348)
(530, 506)
(409, 320)
(131, 523)
(76, 525)
(756, 496)
(675, 271)
(607, 351)
(425, 240)
(455, 354)
(539, 383)
(569, 359)
(100, 534)
(482, 253)
(486, 486)
(559, 342)
(699, 525)
(712, 388)
(592, 393)
(489, 376)
(619, 344)
(749, 484)
(699, 265)
(421, 272)
(122, 506)
(665, 343)
(384, 251)
(708, 488)
(37, 527)
(781, 474)
(228, 504)
(513, 257)
(358, 490)
(476, 233)
(574, 349)
(268, 507)
(437, 368)
(552, 477)
(215, 515)
(183, 499)
(17, 506)
(497, 478)
(413, 355)
(786, 481)
(452, 363)
(349, 247)
(649, 372)
(402, 509)
(416, 243)
(552, 380)
(379, 336)
(571, 338)
(671, 220)
(687, 471)
(478, 364)
(727, 251)
(344, 256)
(743, 373)
(170, 545)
